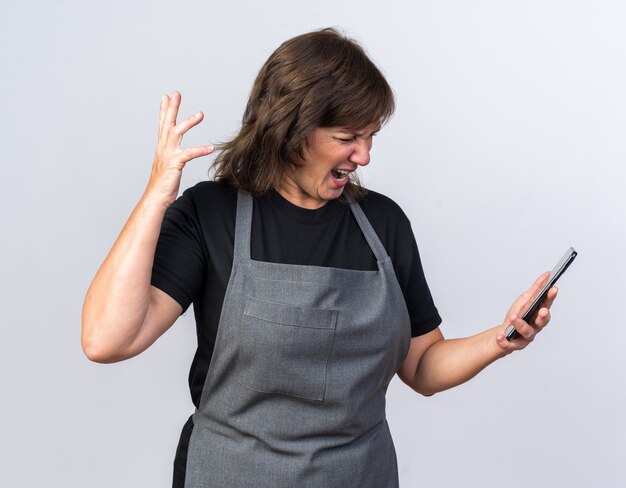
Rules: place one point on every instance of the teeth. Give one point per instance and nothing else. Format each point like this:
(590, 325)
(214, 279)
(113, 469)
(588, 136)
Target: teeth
(340, 174)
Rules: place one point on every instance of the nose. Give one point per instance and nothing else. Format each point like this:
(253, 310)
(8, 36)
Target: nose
(361, 153)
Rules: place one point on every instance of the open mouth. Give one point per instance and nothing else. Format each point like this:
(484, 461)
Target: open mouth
(339, 174)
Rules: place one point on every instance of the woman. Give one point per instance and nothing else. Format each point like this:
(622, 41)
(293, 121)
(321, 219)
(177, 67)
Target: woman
(308, 290)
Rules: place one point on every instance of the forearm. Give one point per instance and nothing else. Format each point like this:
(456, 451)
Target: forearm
(121, 314)
(434, 364)
(119, 296)
(451, 362)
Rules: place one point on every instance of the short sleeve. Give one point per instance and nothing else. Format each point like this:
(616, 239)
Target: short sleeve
(394, 229)
(420, 304)
(180, 257)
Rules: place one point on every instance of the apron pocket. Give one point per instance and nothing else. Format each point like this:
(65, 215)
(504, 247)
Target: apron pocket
(285, 349)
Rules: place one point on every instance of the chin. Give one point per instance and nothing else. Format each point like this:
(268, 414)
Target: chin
(331, 195)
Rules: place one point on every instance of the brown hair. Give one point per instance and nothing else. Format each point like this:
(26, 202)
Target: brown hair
(318, 79)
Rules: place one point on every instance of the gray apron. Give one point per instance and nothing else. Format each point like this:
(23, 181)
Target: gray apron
(295, 392)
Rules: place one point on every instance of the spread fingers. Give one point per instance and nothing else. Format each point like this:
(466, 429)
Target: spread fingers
(179, 129)
(171, 112)
(165, 100)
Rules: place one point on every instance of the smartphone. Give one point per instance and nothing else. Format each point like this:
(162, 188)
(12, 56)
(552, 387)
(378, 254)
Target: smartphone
(555, 274)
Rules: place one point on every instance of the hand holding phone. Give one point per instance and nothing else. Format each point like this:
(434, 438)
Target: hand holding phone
(533, 307)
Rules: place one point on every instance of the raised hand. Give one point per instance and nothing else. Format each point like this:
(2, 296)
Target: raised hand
(169, 157)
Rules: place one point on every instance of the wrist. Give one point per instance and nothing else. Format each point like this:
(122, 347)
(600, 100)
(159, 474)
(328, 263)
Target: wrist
(153, 198)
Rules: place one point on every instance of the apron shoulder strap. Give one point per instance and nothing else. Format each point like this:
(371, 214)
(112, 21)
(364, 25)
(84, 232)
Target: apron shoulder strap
(368, 231)
(243, 226)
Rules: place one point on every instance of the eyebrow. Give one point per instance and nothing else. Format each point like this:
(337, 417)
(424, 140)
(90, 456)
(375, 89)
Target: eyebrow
(358, 134)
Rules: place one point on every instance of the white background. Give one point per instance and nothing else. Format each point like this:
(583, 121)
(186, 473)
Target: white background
(507, 147)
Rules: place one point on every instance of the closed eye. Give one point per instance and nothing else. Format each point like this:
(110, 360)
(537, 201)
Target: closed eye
(346, 139)
(354, 138)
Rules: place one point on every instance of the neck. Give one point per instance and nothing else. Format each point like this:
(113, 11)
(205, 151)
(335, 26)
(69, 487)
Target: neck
(294, 194)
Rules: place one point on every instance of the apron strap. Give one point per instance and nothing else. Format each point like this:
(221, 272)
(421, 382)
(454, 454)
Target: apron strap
(368, 231)
(243, 226)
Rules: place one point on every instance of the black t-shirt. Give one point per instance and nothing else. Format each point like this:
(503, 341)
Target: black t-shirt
(194, 254)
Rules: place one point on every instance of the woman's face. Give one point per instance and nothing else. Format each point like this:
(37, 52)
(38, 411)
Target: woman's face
(333, 154)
